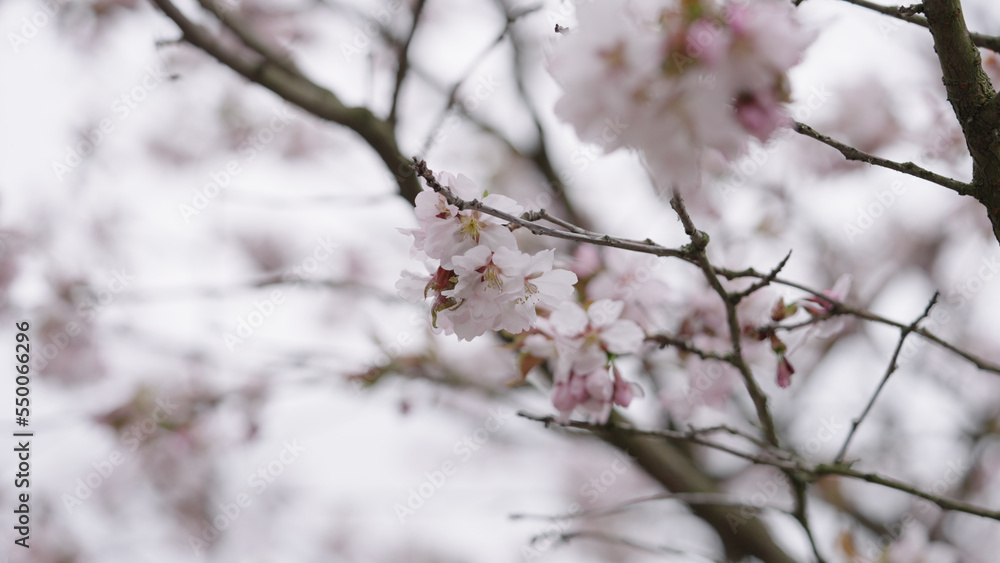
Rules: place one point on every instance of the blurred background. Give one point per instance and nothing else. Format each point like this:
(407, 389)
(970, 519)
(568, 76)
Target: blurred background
(221, 368)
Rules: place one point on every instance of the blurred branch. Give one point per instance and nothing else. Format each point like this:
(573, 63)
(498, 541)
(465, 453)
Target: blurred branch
(802, 470)
(303, 93)
(885, 378)
(243, 30)
(403, 64)
(851, 153)
(566, 537)
(801, 489)
(712, 499)
(540, 155)
(452, 93)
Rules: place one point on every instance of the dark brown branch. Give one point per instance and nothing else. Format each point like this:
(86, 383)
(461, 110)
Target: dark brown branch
(906, 13)
(851, 153)
(841, 308)
(765, 281)
(665, 340)
(600, 240)
(945, 503)
(699, 241)
(972, 98)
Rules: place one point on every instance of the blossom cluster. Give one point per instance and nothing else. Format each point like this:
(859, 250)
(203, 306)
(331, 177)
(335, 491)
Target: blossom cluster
(677, 78)
(582, 345)
(478, 280)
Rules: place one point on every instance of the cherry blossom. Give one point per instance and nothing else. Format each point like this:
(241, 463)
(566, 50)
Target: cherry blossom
(481, 281)
(594, 393)
(446, 232)
(674, 79)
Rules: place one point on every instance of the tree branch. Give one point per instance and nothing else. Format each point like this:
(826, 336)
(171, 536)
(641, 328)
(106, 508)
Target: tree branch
(851, 153)
(972, 98)
(906, 14)
(885, 378)
(243, 30)
(699, 241)
(615, 429)
(404, 62)
(304, 93)
(674, 470)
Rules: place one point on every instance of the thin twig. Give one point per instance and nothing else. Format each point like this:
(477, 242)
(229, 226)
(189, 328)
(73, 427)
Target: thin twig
(707, 499)
(699, 241)
(800, 487)
(665, 340)
(885, 378)
(906, 13)
(602, 240)
(851, 153)
(691, 437)
(617, 540)
(796, 466)
(403, 64)
(766, 280)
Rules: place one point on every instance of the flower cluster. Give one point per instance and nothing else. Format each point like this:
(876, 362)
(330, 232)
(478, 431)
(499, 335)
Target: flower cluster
(582, 345)
(673, 78)
(478, 279)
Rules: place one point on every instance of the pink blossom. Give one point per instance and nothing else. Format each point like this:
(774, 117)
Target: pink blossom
(446, 232)
(785, 371)
(760, 114)
(594, 393)
(629, 277)
(663, 78)
(584, 338)
(818, 306)
(542, 286)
